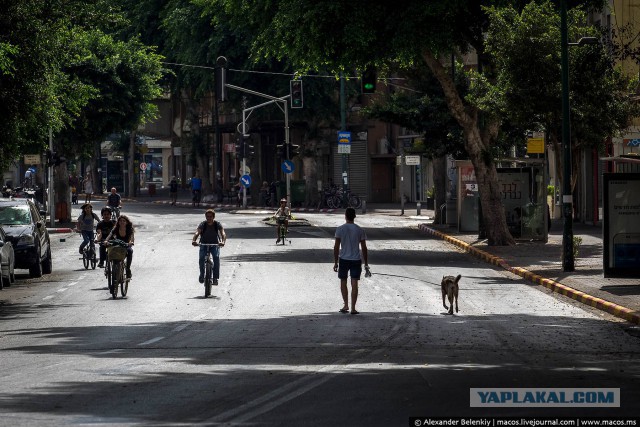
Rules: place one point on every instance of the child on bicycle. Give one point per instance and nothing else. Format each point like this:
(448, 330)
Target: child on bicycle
(210, 231)
(103, 229)
(86, 225)
(282, 212)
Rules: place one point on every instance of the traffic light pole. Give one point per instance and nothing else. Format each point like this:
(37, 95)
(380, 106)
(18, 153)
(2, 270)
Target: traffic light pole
(51, 199)
(284, 108)
(343, 127)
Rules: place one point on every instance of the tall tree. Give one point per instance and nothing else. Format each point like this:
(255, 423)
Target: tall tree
(527, 89)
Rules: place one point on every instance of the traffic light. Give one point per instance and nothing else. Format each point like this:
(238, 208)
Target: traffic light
(49, 155)
(58, 159)
(221, 78)
(292, 151)
(247, 147)
(280, 151)
(296, 93)
(369, 80)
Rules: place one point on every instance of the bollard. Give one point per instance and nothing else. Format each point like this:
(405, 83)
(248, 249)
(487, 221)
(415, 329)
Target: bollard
(364, 206)
(418, 207)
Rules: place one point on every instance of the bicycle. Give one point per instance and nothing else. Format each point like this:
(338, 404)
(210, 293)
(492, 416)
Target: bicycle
(89, 255)
(115, 211)
(283, 230)
(208, 269)
(114, 269)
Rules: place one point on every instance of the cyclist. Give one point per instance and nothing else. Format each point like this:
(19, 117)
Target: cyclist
(86, 225)
(210, 231)
(283, 211)
(123, 230)
(114, 201)
(103, 229)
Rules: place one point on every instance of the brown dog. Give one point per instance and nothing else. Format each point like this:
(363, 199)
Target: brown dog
(449, 286)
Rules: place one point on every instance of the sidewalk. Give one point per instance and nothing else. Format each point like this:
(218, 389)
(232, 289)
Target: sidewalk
(535, 261)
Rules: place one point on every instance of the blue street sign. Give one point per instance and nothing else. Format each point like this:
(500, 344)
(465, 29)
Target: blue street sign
(344, 137)
(245, 180)
(288, 166)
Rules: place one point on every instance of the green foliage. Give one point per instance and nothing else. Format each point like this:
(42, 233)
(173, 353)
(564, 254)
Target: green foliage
(526, 90)
(49, 53)
(551, 190)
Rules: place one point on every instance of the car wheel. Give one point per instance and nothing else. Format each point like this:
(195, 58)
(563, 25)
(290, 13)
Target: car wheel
(47, 265)
(12, 273)
(36, 269)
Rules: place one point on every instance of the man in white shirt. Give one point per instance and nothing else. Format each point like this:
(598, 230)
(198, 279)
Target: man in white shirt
(347, 257)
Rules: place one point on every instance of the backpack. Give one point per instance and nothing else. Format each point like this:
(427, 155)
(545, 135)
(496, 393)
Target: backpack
(203, 226)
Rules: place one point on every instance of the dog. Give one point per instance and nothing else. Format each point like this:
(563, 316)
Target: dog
(449, 287)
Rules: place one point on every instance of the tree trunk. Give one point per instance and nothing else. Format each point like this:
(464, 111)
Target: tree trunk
(477, 144)
(199, 147)
(61, 192)
(131, 185)
(440, 184)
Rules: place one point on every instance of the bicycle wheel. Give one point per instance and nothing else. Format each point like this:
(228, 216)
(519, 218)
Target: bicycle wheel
(115, 277)
(124, 286)
(207, 277)
(121, 280)
(354, 201)
(332, 202)
(110, 282)
(92, 253)
(85, 259)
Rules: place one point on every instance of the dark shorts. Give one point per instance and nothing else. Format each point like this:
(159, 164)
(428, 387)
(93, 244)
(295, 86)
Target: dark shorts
(351, 268)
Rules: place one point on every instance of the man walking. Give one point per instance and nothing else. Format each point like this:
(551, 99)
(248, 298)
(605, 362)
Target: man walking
(347, 258)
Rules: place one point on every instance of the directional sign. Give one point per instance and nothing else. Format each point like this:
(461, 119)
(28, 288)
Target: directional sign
(245, 180)
(143, 166)
(32, 159)
(288, 166)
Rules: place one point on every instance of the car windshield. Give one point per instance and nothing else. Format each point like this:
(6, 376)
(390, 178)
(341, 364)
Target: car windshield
(15, 215)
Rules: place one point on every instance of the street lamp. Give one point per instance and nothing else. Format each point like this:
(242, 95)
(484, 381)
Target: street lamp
(567, 199)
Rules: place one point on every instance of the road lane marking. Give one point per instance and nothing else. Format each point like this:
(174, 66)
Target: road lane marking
(72, 284)
(48, 297)
(151, 341)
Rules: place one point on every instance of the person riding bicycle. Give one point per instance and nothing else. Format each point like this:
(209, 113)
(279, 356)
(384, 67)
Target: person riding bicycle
(86, 225)
(103, 229)
(210, 231)
(283, 211)
(114, 201)
(123, 230)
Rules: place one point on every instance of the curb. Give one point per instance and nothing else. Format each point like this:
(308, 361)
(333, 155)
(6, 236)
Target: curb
(234, 206)
(599, 303)
(59, 230)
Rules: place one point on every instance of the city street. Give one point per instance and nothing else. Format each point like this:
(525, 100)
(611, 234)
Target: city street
(270, 347)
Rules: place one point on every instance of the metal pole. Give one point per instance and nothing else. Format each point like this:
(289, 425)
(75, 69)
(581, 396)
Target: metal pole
(287, 148)
(52, 210)
(567, 199)
(244, 159)
(343, 127)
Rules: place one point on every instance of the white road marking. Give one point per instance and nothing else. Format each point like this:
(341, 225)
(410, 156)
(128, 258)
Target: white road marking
(72, 284)
(151, 341)
(48, 297)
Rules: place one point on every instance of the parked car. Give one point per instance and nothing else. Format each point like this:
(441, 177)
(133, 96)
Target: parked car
(26, 229)
(7, 261)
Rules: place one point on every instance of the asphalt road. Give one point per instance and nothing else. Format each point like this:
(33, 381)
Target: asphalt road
(270, 348)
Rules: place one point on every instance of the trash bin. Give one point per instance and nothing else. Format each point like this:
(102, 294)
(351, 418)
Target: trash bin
(152, 189)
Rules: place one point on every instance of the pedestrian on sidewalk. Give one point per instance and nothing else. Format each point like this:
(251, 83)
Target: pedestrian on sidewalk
(87, 186)
(173, 190)
(348, 258)
(196, 189)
